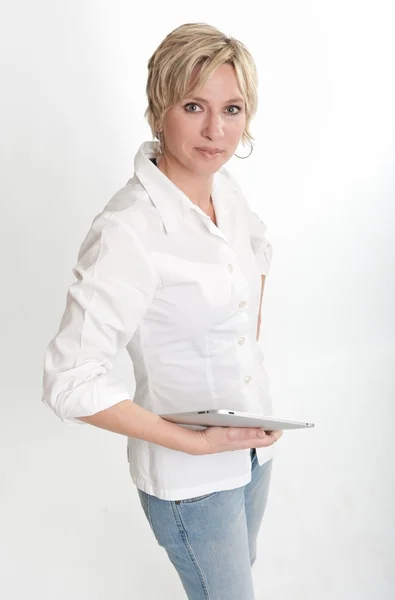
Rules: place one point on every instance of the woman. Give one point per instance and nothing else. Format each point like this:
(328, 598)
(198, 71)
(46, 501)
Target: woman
(173, 269)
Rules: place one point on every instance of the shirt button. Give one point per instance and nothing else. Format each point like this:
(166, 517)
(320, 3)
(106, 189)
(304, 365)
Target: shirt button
(230, 268)
(242, 340)
(243, 304)
(248, 379)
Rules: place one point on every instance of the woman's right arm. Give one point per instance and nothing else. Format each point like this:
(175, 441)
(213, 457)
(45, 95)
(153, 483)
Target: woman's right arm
(115, 284)
(128, 418)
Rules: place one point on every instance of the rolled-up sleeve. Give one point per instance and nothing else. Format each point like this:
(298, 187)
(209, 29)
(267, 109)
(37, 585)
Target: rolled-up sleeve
(261, 247)
(104, 307)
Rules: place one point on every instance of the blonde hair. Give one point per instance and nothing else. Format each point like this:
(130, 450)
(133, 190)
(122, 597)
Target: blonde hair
(190, 45)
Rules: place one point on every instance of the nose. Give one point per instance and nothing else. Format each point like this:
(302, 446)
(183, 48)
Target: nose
(213, 127)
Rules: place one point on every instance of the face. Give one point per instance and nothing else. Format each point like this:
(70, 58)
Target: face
(202, 132)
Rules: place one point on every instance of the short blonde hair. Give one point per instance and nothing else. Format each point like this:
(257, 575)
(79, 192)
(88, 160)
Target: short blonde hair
(190, 45)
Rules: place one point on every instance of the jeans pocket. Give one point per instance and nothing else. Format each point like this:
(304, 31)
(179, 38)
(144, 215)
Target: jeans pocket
(196, 499)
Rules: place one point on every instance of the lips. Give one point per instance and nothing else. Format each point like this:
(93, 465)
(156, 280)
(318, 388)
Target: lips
(210, 152)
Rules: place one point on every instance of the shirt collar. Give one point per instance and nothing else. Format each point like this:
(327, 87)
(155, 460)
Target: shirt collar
(172, 204)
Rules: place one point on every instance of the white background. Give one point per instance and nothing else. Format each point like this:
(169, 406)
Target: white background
(73, 78)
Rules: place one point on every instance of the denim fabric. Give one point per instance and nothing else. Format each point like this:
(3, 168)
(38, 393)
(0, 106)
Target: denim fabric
(212, 540)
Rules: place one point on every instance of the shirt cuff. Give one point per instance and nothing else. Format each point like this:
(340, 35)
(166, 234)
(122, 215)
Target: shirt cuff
(264, 258)
(86, 398)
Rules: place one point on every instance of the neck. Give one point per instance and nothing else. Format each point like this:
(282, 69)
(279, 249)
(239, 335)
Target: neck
(196, 187)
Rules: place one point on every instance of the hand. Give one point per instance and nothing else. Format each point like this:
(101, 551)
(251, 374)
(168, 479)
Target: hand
(222, 439)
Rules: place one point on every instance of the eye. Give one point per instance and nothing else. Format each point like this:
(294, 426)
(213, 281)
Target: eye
(234, 112)
(193, 105)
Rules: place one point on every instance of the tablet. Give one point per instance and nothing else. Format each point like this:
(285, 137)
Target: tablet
(201, 419)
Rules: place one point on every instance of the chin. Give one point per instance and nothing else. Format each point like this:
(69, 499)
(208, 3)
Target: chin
(209, 166)
(206, 170)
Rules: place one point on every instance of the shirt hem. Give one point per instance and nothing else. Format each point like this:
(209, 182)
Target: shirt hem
(185, 493)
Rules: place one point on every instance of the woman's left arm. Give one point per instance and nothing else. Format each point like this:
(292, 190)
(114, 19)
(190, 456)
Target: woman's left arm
(260, 245)
(262, 250)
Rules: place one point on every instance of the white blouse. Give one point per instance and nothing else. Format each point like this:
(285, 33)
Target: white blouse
(157, 276)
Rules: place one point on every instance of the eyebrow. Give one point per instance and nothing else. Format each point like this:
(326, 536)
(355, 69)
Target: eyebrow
(231, 101)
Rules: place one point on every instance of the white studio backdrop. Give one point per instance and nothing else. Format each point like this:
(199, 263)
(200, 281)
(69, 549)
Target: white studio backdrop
(73, 78)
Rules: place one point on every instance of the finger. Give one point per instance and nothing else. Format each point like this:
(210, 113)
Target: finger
(276, 433)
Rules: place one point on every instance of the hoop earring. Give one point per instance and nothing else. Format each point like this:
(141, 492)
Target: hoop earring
(249, 154)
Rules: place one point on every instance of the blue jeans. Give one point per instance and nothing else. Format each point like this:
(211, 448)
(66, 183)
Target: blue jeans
(212, 540)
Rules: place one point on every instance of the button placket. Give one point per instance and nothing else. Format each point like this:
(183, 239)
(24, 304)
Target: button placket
(241, 340)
